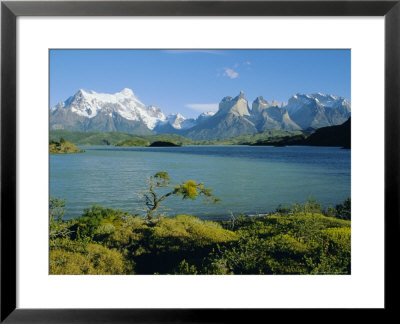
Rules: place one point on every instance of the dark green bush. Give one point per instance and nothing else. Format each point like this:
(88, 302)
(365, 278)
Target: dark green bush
(98, 220)
(343, 211)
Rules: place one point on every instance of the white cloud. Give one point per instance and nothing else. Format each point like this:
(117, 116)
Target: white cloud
(231, 73)
(203, 107)
(247, 63)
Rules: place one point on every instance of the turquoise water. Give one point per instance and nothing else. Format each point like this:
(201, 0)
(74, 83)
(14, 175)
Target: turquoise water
(248, 179)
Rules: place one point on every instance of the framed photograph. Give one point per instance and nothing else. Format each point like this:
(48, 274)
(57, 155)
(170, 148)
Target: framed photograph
(190, 161)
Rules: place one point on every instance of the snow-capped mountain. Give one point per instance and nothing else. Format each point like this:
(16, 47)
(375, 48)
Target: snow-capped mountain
(104, 112)
(177, 121)
(174, 124)
(302, 112)
(318, 110)
(232, 119)
(298, 101)
(268, 115)
(178, 124)
(123, 112)
(204, 116)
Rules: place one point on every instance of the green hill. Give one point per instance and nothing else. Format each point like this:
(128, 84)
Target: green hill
(133, 142)
(273, 134)
(339, 135)
(114, 138)
(269, 137)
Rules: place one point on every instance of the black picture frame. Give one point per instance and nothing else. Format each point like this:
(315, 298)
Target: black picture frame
(10, 10)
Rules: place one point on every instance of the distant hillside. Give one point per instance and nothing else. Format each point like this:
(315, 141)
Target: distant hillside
(339, 135)
(133, 142)
(123, 139)
(113, 138)
(326, 136)
(269, 135)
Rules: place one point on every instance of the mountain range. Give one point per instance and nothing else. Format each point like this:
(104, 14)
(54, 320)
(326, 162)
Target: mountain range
(123, 112)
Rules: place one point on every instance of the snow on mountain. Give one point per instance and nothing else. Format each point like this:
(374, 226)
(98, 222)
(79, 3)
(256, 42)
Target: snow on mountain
(123, 103)
(124, 112)
(152, 116)
(260, 104)
(177, 121)
(298, 101)
(204, 116)
(207, 114)
(268, 115)
(318, 110)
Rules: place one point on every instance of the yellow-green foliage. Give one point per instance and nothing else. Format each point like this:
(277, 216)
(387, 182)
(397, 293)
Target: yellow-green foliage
(91, 259)
(63, 147)
(169, 234)
(191, 189)
(298, 243)
(188, 190)
(191, 230)
(108, 241)
(125, 237)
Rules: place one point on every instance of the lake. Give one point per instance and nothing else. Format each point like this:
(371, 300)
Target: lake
(248, 179)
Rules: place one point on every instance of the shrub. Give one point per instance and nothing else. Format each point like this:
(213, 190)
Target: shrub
(184, 229)
(91, 259)
(99, 220)
(299, 243)
(108, 241)
(343, 211)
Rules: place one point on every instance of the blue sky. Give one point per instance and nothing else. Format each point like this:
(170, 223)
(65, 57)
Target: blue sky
(193, 81)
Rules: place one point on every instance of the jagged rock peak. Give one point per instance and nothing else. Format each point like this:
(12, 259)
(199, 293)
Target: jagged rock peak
(227, 99)
(241, 95)
(237, 106)
(259, 99)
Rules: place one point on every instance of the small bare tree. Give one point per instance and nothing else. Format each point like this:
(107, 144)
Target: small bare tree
(189, 189)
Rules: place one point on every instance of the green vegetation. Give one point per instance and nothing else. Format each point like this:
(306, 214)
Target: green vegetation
(327, 136)
(63, 147)
(300, 239)
(114, 138)
(284, 141)
(134, 142)
(339, 135)
(269, 135)
(342, 211)
(124, 139)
